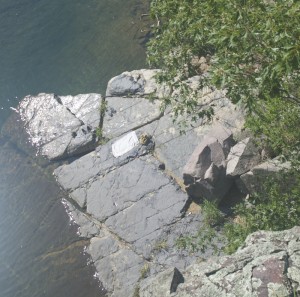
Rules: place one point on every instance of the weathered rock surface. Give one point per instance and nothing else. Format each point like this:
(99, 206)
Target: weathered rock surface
(242, 157)
(61, 126)
(118, 266)
(267, 265)
(164, 285)
(252, 181)
(131, 199)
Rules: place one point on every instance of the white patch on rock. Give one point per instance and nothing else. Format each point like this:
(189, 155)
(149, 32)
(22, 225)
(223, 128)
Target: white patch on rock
(124, 144)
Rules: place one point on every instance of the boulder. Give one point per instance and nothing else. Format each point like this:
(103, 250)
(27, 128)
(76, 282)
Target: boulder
(205, 173)
(252, 181)
(242, 157)
(136, 83)
(61, 126)
(267, 265)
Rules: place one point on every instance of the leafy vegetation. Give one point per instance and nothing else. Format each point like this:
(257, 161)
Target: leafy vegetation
(277, 123)
(251, 49)
(275, 208)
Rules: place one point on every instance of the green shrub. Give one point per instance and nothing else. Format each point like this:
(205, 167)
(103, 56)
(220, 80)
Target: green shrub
(276, 208)
(277, 123)
(253, 47)
(212, 216)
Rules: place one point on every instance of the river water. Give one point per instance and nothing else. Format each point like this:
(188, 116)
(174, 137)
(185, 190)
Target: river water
(65, 47)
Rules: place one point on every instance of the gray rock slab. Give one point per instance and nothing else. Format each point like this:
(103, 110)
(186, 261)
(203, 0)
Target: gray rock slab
(148, 215)
(242, 157)
(174, 148)
(123, 187)
(126, 114)
(84, 106)
(63, 126)
(118, 267)
(165, 285)
(97, 163)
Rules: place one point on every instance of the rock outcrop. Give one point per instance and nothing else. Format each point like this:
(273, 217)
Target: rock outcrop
(268, 265)
(61, 126)
(127, 195)
(137, 82)
(134, 198)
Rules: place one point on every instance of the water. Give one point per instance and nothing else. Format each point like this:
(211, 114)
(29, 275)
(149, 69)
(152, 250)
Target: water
(65, 47)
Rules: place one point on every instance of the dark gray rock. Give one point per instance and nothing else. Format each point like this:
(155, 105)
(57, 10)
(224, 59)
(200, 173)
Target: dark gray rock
(242, 157)
(267, 265)
(136, 208)
(121, 188)
(147, 217)
(174, 149)
(87, 227)
(99, 162)
(136, 205)
(63, 126)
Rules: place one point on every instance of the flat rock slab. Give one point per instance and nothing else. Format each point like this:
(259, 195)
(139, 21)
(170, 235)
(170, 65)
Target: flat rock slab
(174, 148)
(61, 126)
(79, 173)
(126, 114)
(119, 268)
(121, 188)
(144, 221)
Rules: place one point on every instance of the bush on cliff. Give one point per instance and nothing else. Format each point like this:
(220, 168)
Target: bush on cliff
(252, 49)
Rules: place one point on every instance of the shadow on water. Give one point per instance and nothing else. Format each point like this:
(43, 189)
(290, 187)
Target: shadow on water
(64, 47)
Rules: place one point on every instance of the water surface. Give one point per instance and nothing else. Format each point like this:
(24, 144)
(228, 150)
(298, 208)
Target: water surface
(64, 47)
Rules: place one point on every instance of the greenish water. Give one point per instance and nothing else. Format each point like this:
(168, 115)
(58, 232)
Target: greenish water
(65, 47)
